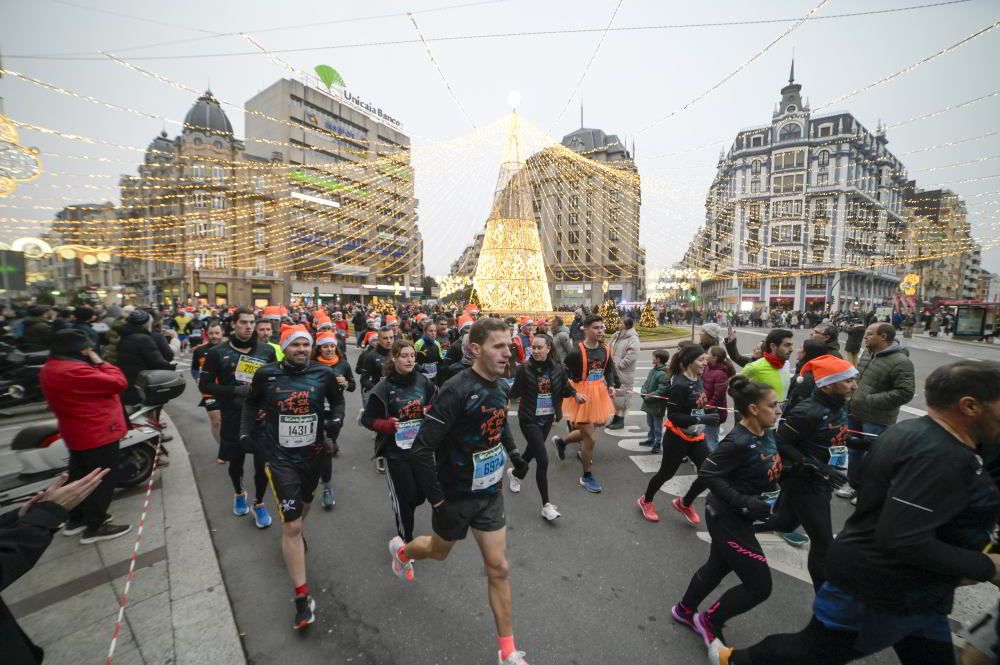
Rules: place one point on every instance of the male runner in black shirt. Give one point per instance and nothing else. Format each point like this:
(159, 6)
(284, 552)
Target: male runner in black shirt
(459, 457)
(213, 330)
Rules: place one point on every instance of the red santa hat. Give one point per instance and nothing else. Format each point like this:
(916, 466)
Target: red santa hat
(291, 333)
(326, 337)
(830, 369)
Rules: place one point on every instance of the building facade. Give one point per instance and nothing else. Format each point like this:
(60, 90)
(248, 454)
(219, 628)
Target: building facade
(972, 272)
(348, 221)
(465, 264)
(934, 219)
(793, 204)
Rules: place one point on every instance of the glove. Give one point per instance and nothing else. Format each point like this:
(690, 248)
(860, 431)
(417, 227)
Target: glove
(385, 425)
(333, 428)
(520, 466)
(242, 390)
(757, 510)
(836, 477)
(709, 419)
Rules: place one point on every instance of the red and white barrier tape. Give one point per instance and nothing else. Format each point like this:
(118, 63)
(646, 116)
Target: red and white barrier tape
(123, 600)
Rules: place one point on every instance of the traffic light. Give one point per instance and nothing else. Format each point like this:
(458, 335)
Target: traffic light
(693, 295)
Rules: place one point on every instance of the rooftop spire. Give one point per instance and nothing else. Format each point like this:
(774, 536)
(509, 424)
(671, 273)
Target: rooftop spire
(791, 73)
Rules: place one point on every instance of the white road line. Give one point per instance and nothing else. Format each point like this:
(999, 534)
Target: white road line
(913, 411)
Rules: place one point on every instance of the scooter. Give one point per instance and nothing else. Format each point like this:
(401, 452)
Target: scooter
(19, 376)
(42, 453)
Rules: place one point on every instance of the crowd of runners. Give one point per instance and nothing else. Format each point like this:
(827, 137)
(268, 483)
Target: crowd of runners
(436, 391)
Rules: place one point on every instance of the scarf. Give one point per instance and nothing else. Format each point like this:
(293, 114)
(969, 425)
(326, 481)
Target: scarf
(329, 362)
(776, 362)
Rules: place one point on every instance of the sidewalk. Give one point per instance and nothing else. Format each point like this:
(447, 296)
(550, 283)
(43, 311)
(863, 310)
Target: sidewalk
(178, 610)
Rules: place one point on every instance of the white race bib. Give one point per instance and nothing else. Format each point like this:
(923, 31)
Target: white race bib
(246, 367)
(406, 433)
(488, 467)
(544, 406)
(838, 457)
(430, 370)
(297, 431)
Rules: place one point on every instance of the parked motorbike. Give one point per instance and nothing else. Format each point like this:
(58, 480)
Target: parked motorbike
(19, 376)
(42, 454)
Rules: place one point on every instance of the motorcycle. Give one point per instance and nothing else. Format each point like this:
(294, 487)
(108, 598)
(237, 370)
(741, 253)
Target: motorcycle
(42, 454)
(19, 376)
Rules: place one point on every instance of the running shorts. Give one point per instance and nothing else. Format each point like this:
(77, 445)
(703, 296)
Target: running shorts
(293, 484)
(482, 512)
(209, 403)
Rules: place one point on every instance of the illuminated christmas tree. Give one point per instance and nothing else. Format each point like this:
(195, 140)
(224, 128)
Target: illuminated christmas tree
(510, 275)
(648, 317)
(612, 319)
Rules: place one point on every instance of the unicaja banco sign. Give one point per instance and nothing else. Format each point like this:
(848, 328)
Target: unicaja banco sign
(331, 78)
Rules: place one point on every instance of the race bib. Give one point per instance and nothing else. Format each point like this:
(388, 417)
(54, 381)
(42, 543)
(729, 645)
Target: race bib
(406, 433)
(488, 467)
(430, 369)
(544, 406)
(596, 375)
(297, 431)
(838, 457)
(246, 367)
(770, 497)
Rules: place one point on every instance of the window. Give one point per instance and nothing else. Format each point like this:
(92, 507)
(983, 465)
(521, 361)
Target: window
(198, 171)
(219, 230)
(574, 219)
(612, 234)
(260, 263)
(574, 201)
(826, 130)
(590, 198)
(559, 255)
(574, 254)
(787, 208)
(574, 237)
(198, 141)
(754, 213)
(217, 144)
(199, 200)
(822, 178)
(757, 141)
(589, 238)
(755, 167)
(794, 159)
(612, 254)
(590, 217)
(791, 131)
(218, 173)
(817, 258)
(219, 260)
(258, 211)
(752, 257)
(588, 257)
(559, 203)
(616, 195)
(754, 186)
(781, 184)
(199, 227)
(753, 235)
(536, 190)
(824, 158)
(260, 236)
(219, 202)
(822, 207)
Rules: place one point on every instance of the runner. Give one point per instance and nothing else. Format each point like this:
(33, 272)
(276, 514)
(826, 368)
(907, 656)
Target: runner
(812, 439)
(265, 333)
(541, 384)
(684, 433)
(522, 341)
(429, 351)
(459, 457)
(369, 369)
(213, 331)
(395, 412)
(226, 375)
(293, 396)
(591, 371)
(742, 474)
(326, 352)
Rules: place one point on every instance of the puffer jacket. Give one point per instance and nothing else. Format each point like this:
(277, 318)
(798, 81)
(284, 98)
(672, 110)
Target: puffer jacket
(655, 390)
(625, 349)
(885, 382)
(716, 380)
(137, 351)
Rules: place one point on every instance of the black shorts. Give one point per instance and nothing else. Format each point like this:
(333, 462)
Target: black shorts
(482, 512)
(209, 403)
(293, 484)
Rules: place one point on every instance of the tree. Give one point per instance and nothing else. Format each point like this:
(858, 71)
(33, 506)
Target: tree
(612, 319)
(648, 317)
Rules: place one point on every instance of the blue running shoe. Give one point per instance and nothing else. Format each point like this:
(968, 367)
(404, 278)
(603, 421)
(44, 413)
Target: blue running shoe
(590, 484)
(261, 517)
(240, 506)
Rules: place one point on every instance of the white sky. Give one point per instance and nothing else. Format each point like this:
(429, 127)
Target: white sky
(637, 77)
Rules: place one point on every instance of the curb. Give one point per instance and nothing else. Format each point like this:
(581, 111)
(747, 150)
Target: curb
(198, 595)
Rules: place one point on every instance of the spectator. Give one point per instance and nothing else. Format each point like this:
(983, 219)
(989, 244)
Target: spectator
(25, 534)
(82, 391)
(716, 379)
(712, 334)
(561, 342)
(576, 330)
(625, 351)
(778, 347)
(855, 336)
(803, 383)
(137, 351)
(38, 328)
(739, 358)
(82, 317)
(654, 399)
(829, 335)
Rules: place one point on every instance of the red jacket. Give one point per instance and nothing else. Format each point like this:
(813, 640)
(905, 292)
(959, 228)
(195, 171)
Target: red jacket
(716, 378)
(85, 399)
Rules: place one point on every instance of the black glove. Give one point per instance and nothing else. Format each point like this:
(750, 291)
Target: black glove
(242, 390)
(249, 444)
(520, 466)
(709, 419)
(333, 428)
(862, 443)
(757, 510)
(835, 477)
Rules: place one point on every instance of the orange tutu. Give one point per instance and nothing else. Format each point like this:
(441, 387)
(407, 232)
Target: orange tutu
(597, 409)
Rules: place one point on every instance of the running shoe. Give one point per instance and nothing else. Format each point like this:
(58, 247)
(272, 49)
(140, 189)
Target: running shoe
(590, 484)
(516, 658)
(689, 513)
(560, 447)
(328, 499)
(854, 501)
(361, 412)
(240, 505)
(398, 567)
(261, 517)
(683, 616)
(550, 513)
(719, 653)
(846, 492)
(656, 449)
(408, 571)
(515, 484)
(73, 528)
(380, 464)
(305, 608)
(648, 509)
(104, 532)
(704, 627)
(794, 538)
(646, 443)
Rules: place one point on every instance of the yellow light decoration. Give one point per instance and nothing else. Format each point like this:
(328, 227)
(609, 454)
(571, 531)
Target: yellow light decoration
(17, 163)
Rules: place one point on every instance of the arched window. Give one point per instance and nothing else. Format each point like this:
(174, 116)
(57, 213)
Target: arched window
(824, 158)
(790, 131)
(755, 167)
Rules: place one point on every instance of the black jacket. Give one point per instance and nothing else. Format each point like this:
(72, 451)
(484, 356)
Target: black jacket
(22, 543)
(801, 388)
(369, 367)
(740, 470)
(805, 436)
(37, 334)
(533, 378)
(137, 351)
(401, 397)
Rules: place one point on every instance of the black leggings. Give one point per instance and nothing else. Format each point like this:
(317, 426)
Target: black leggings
(404, 493)
(811, 509)
(326, 468)
(819, 645)
(259, 476)
(535, 437)
(734, 549)
(675, 449)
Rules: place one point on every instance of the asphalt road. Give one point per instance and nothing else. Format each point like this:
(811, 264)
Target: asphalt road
(595, 586)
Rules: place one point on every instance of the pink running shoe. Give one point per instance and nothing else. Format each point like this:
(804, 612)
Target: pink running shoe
(648, 509)
(703, 626)
(689, 513)
(683, 616)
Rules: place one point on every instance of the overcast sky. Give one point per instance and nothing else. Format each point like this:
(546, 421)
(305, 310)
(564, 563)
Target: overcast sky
(637, 78)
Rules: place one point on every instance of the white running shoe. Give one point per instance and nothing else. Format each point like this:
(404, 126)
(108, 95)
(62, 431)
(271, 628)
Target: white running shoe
(550, 513)
(846, 492)
(515, 658)
(398, 567)
(515, 484)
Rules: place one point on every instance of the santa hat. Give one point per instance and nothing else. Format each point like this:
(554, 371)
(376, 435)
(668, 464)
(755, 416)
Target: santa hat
(326, 337)
(291, 333)
(390, 320)
(471, 309)
(527, 321)
(273, 312)
(321, 320)
(465, 321)
(830, 369)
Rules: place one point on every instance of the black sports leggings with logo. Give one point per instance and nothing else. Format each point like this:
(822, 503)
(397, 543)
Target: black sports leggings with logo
(811, 509)
(734, 549)
(536, 431)
(675, 449)
(404, 492)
